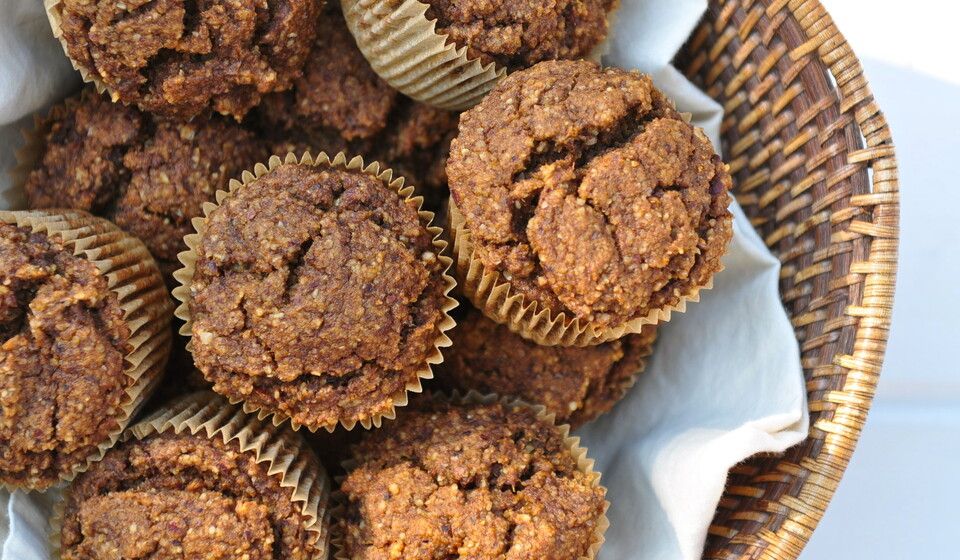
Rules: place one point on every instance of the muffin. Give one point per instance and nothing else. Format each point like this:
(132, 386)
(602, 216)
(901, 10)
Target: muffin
(149, 176)
(178, 58)
(587, 193)
(470, 480)
(575, 384)
(340, 104)
(519, 33)
(82, 342)
(198, 480)
(449, 53)
(317, 292)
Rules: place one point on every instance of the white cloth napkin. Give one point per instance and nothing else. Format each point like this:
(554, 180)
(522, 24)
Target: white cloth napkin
(725, 380)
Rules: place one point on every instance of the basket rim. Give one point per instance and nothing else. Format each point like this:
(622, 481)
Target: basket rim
(874, 220)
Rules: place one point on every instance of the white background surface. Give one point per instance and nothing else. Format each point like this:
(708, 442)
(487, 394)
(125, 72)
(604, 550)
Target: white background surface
(901, 495)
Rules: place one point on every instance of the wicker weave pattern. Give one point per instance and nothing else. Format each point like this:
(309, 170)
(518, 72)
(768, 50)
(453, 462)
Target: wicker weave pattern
(814, 168)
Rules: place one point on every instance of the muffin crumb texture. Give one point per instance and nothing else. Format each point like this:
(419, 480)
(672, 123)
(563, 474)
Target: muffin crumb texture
(586, 190)
(62, 368)
(340, 104)
(317, 294)
(179, 57)
(147, 175)
(519, 33)
(472, 481)
(180, 496)
(577, 384)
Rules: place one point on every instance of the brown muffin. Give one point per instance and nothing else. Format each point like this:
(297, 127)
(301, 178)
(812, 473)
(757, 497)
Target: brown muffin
(318, 294)
(340, 104)
(177, 496)
(519, 33)
(480, 481)
(62, 372)
(177, 58)
(577, 384)
(147, 175)
(589, 193)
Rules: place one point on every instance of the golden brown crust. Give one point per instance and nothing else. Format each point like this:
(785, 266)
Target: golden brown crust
(577, 384)
(589, 193)
(414, 144)
(62, 370)
(149, 176)
(179, 496)
(176, 58)
(317, 294)
(520, 33)
(479, 481)
(338, 91)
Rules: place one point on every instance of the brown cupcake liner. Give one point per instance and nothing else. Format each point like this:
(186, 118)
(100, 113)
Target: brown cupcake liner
(55, 18)
(492, 294)
(287, 455)
(404, 48)
(188, 258)
(572, 444)
(133, 276)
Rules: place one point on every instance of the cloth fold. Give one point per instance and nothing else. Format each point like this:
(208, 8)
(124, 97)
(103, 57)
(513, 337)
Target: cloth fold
(724, 383)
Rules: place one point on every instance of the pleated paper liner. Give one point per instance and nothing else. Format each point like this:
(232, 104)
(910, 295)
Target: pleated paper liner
(572, 444)
(55, 18)
(403, 47)
(184, 276)
(132, 275)
(286, 454)
(492, 294)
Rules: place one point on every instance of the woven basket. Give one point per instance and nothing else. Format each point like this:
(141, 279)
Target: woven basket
(814, 169)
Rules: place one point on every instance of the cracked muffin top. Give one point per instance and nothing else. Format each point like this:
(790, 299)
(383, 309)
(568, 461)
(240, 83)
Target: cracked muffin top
(179, 57)
(132, 504)
(63, 376)
(317, 294)
(577, 384)
(480, 481)
(340, 104)
(147, 175)
(589, 193)
(519, 33)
